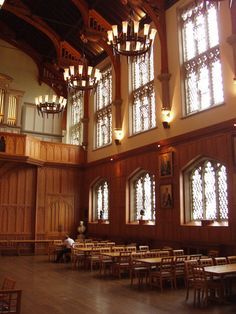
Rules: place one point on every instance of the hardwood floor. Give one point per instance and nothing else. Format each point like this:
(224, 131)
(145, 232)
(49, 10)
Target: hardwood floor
(50, 288)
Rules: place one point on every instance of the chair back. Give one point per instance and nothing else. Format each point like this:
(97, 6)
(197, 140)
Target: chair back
(178, 252)
(206, 262)
(231, 259)
(199, 276)
(180, 259)
(118, 248)
(130, 248)
(105, 249)
(195, 256)
(163, 253)
(188, 268)
(111, 244)
(89, 245)
(8, 283)
(125, 258)
(167, 264)
(220, 261)
(152, 254)
(143, 248)
(77, 245)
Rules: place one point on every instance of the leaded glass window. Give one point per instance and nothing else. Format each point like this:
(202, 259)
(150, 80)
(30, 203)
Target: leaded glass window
(143, 192)
(103, 112)
(77, 112)
(201, 57)
(101, 194)
(143, 95)
(208, 192)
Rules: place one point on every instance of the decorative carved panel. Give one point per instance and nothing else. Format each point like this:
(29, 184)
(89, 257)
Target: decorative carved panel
(60, 214)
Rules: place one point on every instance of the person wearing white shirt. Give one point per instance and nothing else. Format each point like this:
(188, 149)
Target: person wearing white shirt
(68, 244)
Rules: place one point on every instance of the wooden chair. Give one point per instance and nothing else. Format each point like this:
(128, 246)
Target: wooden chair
(163, 253)
(53, 249)
(195, 257)
(164, 273)
(8, 283)
(123, 264)
(143, 248)
(130, 248)
(139, 270)
(204, 287)
(220, 261)
(105, 263)
(118, 249)
(152, 254)
(179, 268)
(94, 258)
(231, 259)
(10, 301)
(178, 252)
(206, 262)
(188, 268)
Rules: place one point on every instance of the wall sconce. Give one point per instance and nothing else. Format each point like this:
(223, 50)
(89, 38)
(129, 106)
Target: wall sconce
(166, 118)
(118, 134)
(234, 80)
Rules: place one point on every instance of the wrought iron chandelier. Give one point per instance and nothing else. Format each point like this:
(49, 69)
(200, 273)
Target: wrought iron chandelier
(55, 106)
(81, 77)
(130, 41)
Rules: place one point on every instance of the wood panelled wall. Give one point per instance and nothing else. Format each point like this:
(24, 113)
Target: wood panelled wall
(215, 142)
(47, 201)
(39, 202)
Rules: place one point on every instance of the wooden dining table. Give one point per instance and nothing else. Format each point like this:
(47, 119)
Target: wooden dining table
(225, 273)
(221, 270)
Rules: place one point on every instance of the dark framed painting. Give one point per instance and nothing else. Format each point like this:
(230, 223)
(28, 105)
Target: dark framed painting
(165, 164)
(166, 196)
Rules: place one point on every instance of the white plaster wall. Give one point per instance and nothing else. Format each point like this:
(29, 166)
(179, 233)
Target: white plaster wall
(24, 72)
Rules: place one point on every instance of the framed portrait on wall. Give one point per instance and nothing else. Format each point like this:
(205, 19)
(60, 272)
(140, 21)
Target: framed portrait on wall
(166, 196)
(165, 165)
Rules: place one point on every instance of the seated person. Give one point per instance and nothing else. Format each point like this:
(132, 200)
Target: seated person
(68, 243)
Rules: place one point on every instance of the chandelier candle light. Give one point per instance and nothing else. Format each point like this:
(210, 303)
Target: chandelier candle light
(83, 77)
(130, 42)
(56, 105)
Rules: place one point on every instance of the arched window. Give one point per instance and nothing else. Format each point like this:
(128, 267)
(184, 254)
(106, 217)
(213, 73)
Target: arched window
(103, 112)
(101, 201)
(142, 197)
(203, 86)
(207, 198)
(77, 113)
(143, 109)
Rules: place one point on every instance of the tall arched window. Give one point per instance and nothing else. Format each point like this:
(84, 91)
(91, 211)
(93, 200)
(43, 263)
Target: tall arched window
(103, 112)
(208, 192)
(143, 109)
(142, 197)
(77, 113)
(101, 201)
(201, 66)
